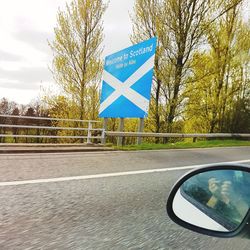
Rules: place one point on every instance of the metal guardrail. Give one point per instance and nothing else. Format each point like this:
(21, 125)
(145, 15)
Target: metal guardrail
(48, 118)
(44, 127)
(89, 129)
(103, 133)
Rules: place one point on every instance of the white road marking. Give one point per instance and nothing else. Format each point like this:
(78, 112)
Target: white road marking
(97, 176)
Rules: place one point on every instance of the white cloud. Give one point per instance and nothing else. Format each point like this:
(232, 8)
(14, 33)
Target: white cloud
(25, 55)
(117, 26)
(21, 96)
(9, 57)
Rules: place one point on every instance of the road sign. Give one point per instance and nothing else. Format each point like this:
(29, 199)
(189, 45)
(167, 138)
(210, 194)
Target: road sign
(127, 80)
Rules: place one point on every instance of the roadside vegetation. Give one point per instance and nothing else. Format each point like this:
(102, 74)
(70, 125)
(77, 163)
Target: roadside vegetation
(186, 144)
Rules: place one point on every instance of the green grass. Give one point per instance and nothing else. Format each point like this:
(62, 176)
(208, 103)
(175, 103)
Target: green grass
(186, 144)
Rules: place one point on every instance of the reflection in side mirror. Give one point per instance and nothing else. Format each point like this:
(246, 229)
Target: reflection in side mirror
(216, 200)
(193, 215)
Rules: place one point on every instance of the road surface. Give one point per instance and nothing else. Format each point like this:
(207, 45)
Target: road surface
(106, 200)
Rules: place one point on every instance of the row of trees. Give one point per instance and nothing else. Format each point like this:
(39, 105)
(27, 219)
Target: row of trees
(201, 81)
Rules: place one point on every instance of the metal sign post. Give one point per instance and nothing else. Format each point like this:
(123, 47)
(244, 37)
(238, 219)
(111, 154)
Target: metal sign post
(140, 129)
(121, 129)
(105, 127)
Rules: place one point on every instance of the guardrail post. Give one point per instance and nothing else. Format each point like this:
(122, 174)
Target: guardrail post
(89, 133)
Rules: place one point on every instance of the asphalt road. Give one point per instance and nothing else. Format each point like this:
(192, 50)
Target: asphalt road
(102, 212)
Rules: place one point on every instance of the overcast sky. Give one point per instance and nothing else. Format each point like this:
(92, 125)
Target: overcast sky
(26, 26)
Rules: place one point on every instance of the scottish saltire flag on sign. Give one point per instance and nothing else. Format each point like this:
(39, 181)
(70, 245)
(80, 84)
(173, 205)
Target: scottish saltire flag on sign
(127, 80)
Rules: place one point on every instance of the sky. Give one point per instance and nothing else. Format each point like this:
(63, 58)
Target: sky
(26, 27)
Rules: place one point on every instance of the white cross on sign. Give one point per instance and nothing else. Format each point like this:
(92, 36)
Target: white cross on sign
(123, 88)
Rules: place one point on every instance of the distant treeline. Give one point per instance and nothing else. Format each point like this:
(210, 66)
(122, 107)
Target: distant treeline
(12, 108)
(33, 110)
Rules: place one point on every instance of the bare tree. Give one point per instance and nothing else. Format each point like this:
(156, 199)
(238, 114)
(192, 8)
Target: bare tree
(144, 21)
(182, 30)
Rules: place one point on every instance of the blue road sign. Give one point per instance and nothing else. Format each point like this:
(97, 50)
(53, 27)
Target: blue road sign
(127, 80)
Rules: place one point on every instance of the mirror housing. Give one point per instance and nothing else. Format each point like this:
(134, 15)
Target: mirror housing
(186, 214)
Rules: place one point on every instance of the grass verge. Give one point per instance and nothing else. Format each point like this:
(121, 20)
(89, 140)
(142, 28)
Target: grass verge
(186, 144)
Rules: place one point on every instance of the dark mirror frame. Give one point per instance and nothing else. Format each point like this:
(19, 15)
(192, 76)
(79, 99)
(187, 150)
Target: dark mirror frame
(242, 231)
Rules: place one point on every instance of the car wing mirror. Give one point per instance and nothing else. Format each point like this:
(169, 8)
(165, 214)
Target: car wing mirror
(213, 200)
